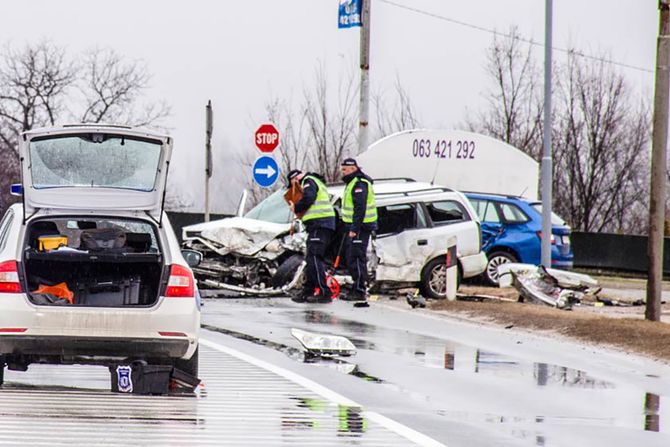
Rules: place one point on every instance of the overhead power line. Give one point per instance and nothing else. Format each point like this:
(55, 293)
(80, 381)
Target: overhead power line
(513, 36)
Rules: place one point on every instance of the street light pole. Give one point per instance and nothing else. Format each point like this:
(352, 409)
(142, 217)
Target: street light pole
(208, 154)
(658, 170)
(546, 149)
(365, 77)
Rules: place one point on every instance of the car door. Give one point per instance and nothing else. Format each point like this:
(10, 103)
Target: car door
(449, 217)
(403, 242)
(492, 226)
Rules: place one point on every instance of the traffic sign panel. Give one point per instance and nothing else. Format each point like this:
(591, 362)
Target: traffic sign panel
(267, 138)
(265, 171)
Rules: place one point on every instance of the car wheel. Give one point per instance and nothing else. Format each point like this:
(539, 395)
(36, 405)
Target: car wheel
(496, 259)
(434, 279)
(189, 366)
(286, 271)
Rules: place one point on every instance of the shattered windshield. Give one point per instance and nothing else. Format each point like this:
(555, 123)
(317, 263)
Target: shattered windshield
(94, 160)
(272, 209)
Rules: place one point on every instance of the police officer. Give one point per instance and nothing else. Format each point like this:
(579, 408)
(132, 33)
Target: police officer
(359, 214)
(319, 220)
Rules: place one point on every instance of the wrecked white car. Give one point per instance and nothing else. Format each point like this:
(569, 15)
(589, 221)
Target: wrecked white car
(262, 252)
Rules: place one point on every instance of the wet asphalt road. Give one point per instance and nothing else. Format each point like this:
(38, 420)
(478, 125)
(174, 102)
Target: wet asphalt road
(416, 380)
(464, 384)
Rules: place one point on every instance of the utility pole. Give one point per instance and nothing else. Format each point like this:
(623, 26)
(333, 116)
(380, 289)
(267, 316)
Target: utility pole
(208, 154)
(365, 77)
(658, 169)
(546, 148)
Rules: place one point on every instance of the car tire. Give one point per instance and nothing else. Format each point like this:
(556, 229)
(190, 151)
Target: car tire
(286, 270)
(496, 259)
(189, 366)
(434, 279)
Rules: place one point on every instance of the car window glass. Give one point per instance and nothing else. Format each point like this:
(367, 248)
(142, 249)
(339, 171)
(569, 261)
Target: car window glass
(90, 160)
(4, 228)
(446, 211)
(490, 213)
(479, 207)
(396, 218)
(555, 219)
(272, 209)
(513, 213)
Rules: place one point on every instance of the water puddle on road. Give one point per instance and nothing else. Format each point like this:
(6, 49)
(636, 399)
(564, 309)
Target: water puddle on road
(434, 352)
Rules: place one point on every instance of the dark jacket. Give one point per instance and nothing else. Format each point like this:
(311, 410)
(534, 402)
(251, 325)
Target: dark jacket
(309, 191)
(360, 199)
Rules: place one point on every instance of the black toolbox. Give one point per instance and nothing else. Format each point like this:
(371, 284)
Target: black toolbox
(139, 377)
(109, 292)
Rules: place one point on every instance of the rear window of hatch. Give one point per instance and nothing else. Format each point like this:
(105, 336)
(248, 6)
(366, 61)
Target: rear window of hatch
(94, 160)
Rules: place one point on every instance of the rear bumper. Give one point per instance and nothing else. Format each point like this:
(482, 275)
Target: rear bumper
(93, 347)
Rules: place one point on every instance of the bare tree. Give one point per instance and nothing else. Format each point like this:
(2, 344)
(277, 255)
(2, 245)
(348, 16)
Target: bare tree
(396, 114)
(112, 88)
(603, 140)
(600, 133)
(37, 88)
(514, 111)
(320, 129)
(33, 83)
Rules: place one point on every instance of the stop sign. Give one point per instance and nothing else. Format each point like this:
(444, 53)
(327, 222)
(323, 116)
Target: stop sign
(267, 138)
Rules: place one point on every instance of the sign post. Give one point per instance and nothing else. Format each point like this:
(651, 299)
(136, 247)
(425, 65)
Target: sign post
(208, 154)
(266, 170)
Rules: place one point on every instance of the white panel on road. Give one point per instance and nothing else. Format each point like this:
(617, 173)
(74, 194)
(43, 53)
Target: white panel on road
(242, 405)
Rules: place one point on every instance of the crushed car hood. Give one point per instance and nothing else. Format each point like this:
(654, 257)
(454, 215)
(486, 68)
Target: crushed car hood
(237, 234)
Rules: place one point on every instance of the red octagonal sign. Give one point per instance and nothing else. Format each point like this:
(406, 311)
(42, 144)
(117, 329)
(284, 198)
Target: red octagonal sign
(267, 138)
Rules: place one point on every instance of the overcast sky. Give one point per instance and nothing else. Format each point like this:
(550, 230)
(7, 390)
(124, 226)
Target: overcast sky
(239, 53)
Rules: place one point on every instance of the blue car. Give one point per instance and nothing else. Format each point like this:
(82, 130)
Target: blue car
(512, 231)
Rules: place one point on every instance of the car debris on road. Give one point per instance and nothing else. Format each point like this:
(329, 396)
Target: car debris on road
(557, 288)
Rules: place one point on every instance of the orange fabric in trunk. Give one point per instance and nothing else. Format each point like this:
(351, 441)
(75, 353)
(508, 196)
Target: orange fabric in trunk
(60, 290)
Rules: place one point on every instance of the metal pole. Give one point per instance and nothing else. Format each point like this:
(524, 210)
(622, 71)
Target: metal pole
(365, 77)
(546, 150)
(208, 154)
(658, 169)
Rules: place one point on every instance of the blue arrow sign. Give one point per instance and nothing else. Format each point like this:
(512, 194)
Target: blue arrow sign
(265, 171)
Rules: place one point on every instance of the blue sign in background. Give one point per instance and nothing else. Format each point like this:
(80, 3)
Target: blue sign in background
(265, 171)
(350, 13)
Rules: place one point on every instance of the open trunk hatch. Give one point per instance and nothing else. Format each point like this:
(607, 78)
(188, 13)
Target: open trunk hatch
(94, 168)
(92, 262)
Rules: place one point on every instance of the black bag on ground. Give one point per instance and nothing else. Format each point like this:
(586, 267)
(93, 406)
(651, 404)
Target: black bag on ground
(102, 239)
(140, 378)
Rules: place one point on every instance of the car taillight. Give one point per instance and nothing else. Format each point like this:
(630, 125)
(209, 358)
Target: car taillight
(553, 239)
(181, 283)
(9, 277)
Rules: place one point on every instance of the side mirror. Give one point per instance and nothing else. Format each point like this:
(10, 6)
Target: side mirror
(16, 189)
(193, 258)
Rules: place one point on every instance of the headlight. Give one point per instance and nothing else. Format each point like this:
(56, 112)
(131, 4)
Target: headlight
(321, 344)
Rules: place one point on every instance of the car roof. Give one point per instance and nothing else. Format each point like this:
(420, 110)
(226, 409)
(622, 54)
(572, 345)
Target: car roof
(485, 195)
(393, 186)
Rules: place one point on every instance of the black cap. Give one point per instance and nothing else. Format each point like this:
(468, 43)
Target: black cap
(349, 162)
(293, 173)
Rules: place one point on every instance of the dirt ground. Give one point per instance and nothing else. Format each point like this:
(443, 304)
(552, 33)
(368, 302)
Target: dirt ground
(620, 327)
